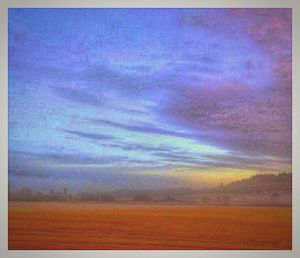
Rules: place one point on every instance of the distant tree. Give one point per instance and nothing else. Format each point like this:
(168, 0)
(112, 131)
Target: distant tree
(142, 198)
(39, 196)
(170, 198)
(25, 193)
(65, 190)
(107, 198)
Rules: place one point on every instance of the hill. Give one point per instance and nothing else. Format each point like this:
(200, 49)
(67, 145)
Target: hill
(261, 183)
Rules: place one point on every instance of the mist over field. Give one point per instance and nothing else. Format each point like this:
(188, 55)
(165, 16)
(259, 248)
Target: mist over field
(268, 190)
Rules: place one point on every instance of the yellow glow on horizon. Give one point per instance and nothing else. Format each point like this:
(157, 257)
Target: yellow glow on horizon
(216, 176)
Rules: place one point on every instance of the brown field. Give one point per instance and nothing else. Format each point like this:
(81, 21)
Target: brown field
(147, 227)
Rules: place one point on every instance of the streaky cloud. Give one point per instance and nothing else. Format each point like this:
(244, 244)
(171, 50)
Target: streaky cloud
(93, 136)
(148, 129)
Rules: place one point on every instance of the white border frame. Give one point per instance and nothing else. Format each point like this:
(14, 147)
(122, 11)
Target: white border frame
(5, 4)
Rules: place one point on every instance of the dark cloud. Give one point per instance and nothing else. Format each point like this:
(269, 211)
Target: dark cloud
(82, 159)
(241, 116)
(92, 136)
(136, 146)
(57, 158)
(175, 156)
(148, 129)
(78, 95)
(208, 162)
(238, 117)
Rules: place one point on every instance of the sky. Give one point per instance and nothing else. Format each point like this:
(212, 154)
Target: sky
(148, 98)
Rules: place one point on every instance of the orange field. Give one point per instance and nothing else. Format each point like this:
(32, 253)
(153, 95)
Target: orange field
(146, 227)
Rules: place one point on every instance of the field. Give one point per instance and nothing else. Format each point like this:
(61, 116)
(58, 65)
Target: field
(147, 227)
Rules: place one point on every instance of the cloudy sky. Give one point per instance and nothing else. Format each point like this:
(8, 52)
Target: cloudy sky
(148, 98)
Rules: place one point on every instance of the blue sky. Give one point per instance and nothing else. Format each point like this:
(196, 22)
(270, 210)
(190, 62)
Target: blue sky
(147, 98)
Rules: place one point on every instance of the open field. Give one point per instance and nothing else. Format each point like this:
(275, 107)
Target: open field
(112, 226)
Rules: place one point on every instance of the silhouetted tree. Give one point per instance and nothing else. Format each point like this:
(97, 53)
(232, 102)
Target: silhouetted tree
(142, 198)
(107, 198)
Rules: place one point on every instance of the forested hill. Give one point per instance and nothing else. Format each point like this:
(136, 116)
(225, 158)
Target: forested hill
(281, 183)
